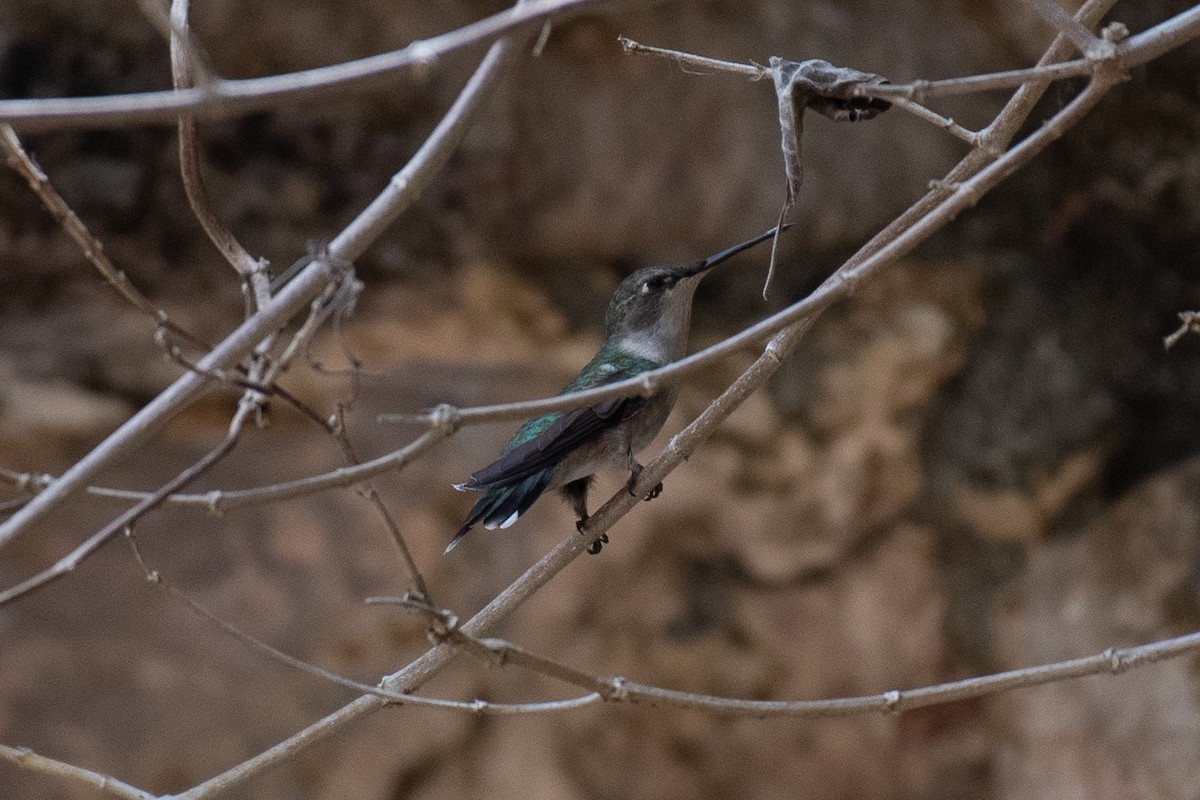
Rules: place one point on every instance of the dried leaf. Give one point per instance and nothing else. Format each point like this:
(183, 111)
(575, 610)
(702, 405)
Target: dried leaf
(826, 89)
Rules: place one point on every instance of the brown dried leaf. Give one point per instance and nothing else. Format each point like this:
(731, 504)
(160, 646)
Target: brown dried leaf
(826, 89)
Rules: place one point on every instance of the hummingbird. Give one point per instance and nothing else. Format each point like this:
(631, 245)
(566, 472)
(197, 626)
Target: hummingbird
(646, 327)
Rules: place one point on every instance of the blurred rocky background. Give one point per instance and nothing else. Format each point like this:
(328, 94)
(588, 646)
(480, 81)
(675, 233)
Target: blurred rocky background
(984, 460)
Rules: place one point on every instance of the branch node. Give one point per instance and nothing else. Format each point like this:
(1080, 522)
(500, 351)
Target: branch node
(424, 58)
(1191, 323)
(445, 418)
(443, 623)
(616, 689)
(1115, 32)
(498, 648)
(213, 501)
(891, 701)
(918, 89)
(648, 385)
(30, 482)
(942, 184)
(479, 707)
(676, 448)
(774, 351)
(1116, 660)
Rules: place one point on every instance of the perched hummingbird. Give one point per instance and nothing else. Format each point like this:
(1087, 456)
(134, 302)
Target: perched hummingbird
(646, 328)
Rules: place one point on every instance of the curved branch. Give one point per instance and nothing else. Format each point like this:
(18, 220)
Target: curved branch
(347, 246)
(226, 98)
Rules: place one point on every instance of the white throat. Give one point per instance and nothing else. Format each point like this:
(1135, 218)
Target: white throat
(645, 344)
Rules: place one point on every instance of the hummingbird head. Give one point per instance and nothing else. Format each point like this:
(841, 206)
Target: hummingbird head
(650, 311)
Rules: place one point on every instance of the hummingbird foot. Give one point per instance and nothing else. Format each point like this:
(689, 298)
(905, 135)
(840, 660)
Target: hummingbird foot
(634, 472)
(595, 546)
(576, 494)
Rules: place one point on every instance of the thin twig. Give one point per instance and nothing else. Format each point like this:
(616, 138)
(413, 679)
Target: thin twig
(27, 759)
(218, 501)
(177, 35)
(368, 491)
(752, 72)
(479, 707)
(1113, 661)
(1191, 324)
(97, 540)
(93, 250)
(182, 66)
(932, 117)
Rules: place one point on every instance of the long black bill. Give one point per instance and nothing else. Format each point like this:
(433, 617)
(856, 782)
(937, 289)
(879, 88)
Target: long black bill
(730, 252)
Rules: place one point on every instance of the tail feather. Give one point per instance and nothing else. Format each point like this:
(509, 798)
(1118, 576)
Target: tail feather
(500, 506)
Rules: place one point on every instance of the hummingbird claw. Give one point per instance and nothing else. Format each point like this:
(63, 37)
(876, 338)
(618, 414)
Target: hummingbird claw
(655, 492)
(595, 546)
(634, 472)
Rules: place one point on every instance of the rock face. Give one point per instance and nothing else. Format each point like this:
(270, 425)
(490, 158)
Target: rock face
(984, 460)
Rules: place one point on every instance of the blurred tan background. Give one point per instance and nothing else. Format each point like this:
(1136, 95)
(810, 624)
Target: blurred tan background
(984, 460)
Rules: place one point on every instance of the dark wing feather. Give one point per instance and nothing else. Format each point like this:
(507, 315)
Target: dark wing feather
(573, 429)
(500, 503)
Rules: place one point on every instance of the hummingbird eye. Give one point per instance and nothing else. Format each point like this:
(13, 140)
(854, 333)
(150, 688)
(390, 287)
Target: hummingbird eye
(657, 284)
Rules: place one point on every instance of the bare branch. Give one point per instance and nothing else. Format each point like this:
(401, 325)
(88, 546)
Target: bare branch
(836, 287)
(27, 759)
(1080, 35)
(24, 165)
(1191, 324)
(182, 65)
(752, 72)
(226, 98)
(478, 707)
(368, 491)
(403, 189)
(1113, 661)
(174, 34)
(218, 501)
(105, 534)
